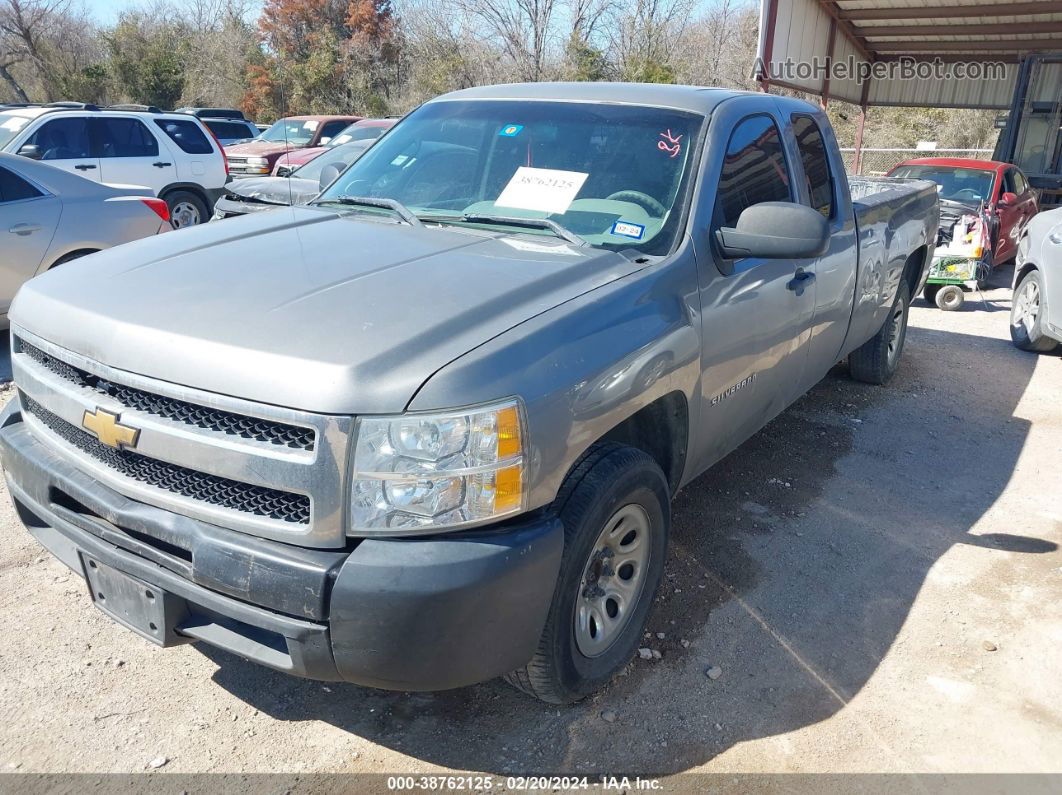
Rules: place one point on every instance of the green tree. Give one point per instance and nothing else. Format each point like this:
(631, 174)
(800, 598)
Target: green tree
(147, 59)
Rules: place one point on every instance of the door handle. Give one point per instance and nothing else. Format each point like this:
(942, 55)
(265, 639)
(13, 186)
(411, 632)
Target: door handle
(801, 281)
(24, 229)
(161, 165)
(84, 167)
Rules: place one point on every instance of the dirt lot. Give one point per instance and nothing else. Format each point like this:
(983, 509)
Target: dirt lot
(876, 575)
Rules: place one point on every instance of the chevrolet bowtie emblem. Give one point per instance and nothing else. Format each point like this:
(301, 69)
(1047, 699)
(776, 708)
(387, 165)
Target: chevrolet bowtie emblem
(105, 427)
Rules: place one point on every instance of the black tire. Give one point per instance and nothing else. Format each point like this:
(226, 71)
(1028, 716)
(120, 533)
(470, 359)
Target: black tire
(950, 298)
(73, 255)
(929, 292)
(186, 209)
(609, 478)
(1026, 332)
(877, 360)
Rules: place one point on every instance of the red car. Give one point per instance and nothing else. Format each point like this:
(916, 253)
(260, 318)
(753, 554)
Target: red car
(256, 158)
(964, 185)
(366, 129)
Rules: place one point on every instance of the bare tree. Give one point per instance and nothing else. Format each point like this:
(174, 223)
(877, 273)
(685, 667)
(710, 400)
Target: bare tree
(646, 36)
(524, 29)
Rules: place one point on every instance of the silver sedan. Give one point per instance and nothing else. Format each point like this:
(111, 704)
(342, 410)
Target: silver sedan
(49, 216)
(1036, 309)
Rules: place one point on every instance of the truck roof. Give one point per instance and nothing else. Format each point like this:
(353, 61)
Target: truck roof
(697, 99)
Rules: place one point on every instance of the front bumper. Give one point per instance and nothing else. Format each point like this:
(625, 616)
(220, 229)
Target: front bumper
(402, 614)
(227, 208)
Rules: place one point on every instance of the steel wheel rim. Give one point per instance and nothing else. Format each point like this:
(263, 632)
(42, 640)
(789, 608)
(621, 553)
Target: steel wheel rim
(1027, 307)
(896, 333)
(184, 214)
(613, 580)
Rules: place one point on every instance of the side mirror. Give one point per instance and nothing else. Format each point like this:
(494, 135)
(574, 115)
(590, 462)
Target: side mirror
(32, 151)
(329, 174)
(1007, 199)
(776, 230)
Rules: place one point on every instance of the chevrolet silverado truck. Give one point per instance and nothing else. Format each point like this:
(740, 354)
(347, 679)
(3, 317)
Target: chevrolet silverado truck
(432, 436)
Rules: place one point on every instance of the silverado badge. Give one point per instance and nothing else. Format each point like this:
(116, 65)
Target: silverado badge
(105, 427)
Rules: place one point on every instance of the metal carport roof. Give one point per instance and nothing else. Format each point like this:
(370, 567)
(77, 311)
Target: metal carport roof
(808, 44)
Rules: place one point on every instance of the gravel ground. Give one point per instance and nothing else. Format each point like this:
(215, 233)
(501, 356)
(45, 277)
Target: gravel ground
(875, 576)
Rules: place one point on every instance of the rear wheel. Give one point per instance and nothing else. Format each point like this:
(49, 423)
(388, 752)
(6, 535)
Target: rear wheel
(1026, 316)
(186, 209)
(615, 508)
(877, 360)
(950, 298)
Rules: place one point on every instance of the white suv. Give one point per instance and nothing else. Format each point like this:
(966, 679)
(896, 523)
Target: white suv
(173, 154)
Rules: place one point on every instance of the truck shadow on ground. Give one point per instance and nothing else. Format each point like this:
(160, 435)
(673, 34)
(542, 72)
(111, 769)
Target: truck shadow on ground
(794, 563)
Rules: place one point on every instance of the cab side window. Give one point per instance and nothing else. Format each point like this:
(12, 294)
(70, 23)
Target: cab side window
(63, 139)
(1021, 186)
(1009, 185)
(816, 164)
(754, 170)
(331, 130)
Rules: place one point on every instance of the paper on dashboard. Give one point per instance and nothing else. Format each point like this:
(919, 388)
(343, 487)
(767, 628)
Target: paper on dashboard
(547, 190)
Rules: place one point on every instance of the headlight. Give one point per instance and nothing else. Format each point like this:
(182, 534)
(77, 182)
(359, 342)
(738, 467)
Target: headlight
(258, 161)
(419, 473)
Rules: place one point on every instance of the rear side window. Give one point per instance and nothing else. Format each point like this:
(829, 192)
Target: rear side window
(13, 188)
(1020, 183)
(816, 165)
(63, 139)
(229, 129)
(125, 138)
(754, 170)
(186, 134)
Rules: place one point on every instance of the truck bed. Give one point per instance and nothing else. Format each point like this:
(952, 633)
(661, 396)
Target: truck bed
(891, 217)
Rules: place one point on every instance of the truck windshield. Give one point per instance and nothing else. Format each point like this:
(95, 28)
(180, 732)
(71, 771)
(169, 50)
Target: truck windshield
(292, 131)
(964, 185)
(614, 175)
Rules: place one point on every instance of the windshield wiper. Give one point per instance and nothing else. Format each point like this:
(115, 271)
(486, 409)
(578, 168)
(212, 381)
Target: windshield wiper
(536, 223)
(400, 209)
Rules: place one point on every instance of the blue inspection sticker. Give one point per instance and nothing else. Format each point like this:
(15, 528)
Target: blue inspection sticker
(627, 229)
(511, 130)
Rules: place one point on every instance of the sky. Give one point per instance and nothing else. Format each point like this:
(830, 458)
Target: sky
(106, 11)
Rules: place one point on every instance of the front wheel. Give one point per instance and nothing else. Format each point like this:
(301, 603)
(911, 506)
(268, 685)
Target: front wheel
(877, 360)
(1026, 316)
(929, 292)
(615, 508)
(950, 298)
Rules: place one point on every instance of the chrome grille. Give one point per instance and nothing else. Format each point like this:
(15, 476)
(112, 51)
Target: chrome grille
(178, 410)
(223, 492)
(271, 471)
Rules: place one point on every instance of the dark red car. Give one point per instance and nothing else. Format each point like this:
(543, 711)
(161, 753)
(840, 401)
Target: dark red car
(366, 129)
(964, 185)
(256, 158)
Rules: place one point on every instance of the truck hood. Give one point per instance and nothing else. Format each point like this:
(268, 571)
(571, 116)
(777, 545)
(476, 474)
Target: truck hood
(304, 307)
(259, 149)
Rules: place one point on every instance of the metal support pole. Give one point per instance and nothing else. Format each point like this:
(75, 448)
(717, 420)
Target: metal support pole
(858, 164)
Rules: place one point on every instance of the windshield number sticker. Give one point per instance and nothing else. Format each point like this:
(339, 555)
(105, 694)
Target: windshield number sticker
(511, 130)
(546, 190)
(627, 229)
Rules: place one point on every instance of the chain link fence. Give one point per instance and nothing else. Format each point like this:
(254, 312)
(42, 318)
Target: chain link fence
(877, 162)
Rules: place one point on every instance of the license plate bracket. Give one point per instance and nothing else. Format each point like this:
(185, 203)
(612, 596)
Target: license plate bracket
(142, 607)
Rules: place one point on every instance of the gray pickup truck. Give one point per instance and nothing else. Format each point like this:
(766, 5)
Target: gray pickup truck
(426, 430)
